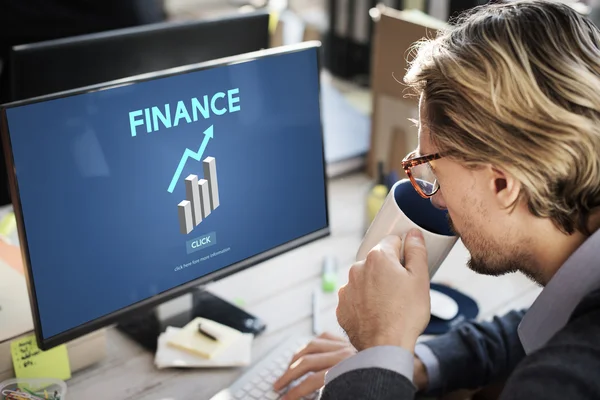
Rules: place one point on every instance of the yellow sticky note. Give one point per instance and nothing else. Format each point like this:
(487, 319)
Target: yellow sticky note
(8, 224)
(273, 20)
(31, 362)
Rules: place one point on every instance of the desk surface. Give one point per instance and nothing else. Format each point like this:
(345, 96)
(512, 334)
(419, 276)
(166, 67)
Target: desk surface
(281, 295)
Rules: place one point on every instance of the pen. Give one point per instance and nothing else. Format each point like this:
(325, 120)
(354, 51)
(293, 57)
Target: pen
(316, 306)
(205, 333)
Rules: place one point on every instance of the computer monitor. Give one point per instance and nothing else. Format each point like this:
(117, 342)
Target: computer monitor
(63, 64)
(130, 193)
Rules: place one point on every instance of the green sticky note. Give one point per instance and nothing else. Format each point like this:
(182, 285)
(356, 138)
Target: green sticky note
(31, 362)
(239, 302)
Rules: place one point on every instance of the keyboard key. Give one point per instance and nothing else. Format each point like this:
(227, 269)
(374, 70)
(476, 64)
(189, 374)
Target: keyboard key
(257, 394)
(272, 396)
(240, 394)
(264, 373)
(247, 387)
(271, 366)
(256, 380)
(264, 386)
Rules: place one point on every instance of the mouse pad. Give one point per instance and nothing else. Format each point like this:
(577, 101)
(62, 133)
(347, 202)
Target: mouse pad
(467, 310)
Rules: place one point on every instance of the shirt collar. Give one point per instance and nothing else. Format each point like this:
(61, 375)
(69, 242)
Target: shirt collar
(550, 312)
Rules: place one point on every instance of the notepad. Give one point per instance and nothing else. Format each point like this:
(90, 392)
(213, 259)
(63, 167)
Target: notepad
(237, 354)
(190, 340)
(31, 362)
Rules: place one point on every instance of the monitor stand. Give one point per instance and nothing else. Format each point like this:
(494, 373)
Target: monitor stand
(146, 326)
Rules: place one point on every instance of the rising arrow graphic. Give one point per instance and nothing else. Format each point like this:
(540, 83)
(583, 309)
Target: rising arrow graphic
(208, 134)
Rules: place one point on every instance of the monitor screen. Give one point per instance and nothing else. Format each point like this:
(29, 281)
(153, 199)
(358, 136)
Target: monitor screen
(135, 191)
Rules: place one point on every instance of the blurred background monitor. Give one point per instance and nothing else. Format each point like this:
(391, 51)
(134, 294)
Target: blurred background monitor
(57, 65)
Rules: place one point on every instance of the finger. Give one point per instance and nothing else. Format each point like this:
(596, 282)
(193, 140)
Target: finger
(331, 336)
(311, 384)
(354, 274)
(391, 245)
(308, 363)
(319, 345)
(415, 253)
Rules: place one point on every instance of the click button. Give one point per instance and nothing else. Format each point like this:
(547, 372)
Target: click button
(201, 242)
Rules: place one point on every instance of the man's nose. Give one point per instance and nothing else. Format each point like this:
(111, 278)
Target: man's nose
(438, 200)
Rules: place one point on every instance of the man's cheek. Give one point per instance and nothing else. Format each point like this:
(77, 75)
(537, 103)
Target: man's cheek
(451, 223)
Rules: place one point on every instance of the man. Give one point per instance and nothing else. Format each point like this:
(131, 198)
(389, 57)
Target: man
(510, 120)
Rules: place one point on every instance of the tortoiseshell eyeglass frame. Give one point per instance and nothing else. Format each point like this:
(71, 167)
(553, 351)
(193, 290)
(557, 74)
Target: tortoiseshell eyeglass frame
(409, 162)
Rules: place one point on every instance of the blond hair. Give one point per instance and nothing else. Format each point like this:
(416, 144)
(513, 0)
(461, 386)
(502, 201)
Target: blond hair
(517, 85)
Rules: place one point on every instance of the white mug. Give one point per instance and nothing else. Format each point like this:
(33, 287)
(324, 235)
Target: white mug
(403, 210)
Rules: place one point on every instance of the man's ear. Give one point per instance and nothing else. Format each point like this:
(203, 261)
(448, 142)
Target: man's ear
(504, 186)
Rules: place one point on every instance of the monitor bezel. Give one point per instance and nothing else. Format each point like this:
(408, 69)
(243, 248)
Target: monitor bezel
(153, 301)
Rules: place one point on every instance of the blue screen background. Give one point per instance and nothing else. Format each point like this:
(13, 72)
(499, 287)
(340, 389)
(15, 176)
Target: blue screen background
(102, 229)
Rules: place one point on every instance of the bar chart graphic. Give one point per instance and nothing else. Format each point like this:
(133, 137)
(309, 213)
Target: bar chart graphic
(202, 197)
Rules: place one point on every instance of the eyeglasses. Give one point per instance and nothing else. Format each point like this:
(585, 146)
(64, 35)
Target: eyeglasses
(421, 174)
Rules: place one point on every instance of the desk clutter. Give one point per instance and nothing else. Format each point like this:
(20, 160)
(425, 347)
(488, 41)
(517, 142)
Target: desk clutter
(33, 389)
(203, 343)
(39, 374)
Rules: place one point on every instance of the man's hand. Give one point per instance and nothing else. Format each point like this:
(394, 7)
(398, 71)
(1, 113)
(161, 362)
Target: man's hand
(315, 359)
(385, 303)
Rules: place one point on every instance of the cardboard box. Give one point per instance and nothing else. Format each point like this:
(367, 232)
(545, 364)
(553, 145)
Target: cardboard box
(290, 27)
(393, 135)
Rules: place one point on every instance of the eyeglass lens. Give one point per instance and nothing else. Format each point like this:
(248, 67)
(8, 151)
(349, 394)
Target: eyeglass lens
(425, 178)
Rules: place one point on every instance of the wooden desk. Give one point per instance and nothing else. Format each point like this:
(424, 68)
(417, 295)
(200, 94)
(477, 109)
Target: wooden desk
(279, 291)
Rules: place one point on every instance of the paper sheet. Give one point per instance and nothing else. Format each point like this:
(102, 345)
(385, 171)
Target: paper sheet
(236, 354)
